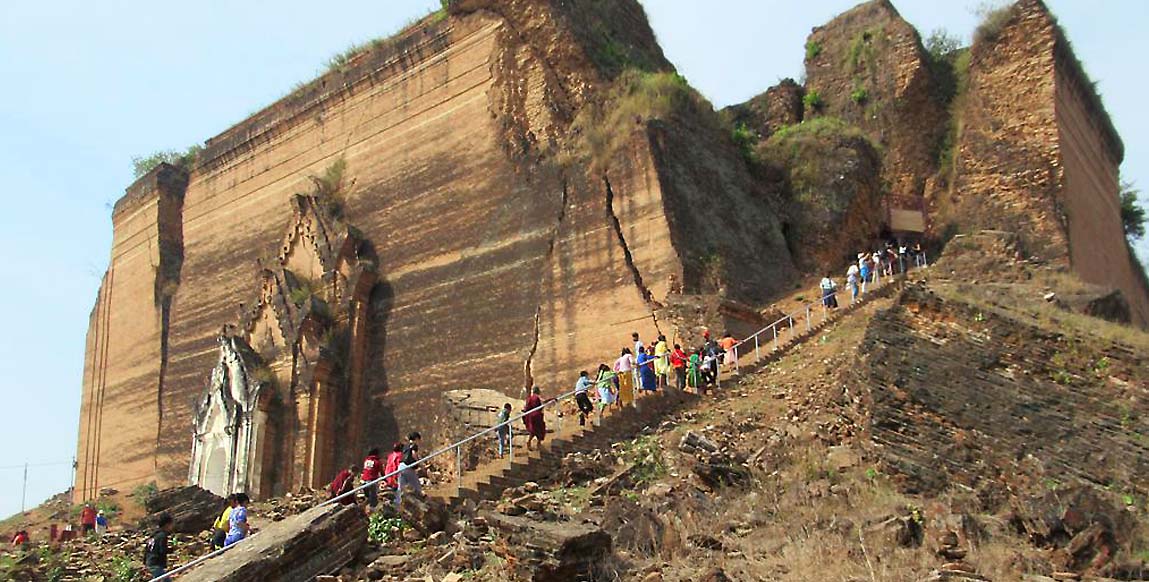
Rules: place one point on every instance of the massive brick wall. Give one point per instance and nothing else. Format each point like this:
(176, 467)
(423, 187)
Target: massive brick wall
(119, 409)
(1091, 155)
(872, 49)
(496, 265)
(1048, 170)
(1007, 157)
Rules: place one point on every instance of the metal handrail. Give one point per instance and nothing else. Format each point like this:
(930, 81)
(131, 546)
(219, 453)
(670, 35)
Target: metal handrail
(806, 309)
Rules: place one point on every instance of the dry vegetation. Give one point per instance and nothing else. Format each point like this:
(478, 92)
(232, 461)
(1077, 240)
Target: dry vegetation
(635, 98)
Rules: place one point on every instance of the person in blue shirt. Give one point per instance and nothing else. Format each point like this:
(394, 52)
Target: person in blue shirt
(101, 523)
(238, 527)
(646, 375)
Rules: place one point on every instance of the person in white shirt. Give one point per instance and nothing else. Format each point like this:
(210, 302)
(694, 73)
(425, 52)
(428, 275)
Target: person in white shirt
(829, 292)
(853, 277)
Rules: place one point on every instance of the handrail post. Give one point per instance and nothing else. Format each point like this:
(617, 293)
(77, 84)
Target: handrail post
(807, 319)
(757, 354)
(458, 464)
(775, 328)
(511, 442)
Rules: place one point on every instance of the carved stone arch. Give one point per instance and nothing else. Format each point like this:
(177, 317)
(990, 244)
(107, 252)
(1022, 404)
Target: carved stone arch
(304, 338)
(225, 424)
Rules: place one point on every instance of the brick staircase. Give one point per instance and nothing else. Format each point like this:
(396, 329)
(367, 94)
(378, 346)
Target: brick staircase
(491, 479)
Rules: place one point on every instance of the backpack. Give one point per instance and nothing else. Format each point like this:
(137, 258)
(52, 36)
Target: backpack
(148, 547)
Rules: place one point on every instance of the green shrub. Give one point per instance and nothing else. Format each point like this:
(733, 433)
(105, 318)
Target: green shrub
(940, 43)
(185, 160)
(1132, 214)
(303, 293)
(813, 49)
(330, 181)
(859, 95)
(636, 96)
(993, 21)
(745, 138)
(124, 569)
(813, 101)
(862, 49)
(646, 453)
(813, 154)
(381, 530)
(145, 492)
(815, 128)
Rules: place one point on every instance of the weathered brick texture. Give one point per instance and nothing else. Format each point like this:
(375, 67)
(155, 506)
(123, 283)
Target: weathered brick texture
(869, 68)
(1038, 154)
(496, 265)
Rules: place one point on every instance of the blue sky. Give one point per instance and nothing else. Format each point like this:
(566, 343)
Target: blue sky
(89, 85)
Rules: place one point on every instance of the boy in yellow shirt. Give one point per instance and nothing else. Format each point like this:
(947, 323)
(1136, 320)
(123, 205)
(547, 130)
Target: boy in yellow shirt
(221, 525)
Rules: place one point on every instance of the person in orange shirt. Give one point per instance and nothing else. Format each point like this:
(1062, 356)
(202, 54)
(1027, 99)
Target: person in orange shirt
(727, 343)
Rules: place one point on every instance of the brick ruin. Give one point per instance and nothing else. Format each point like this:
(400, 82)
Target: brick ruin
(259, 324)
(868, 67)
(492, 265)
(1049, 171)
(1057, 183)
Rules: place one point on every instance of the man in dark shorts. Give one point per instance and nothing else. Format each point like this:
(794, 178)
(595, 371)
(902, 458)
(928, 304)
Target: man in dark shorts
(408, 474)
(156, 550)
(87, 519)
(582, 399)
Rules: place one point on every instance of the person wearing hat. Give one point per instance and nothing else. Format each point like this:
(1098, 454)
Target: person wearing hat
(101, 523)
(853, 281)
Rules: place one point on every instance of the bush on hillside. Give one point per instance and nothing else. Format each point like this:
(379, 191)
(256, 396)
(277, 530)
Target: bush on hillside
(634, 98)
(993, 21)
(186, 160)
(1132, 214)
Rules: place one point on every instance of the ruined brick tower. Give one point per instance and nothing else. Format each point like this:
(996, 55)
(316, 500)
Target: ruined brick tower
(442, 212)
(259, 325)
(1039, 155)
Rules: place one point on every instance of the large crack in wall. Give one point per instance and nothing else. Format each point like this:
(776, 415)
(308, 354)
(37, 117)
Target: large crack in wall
(528, 364)
(643, 290)
(171, 185)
